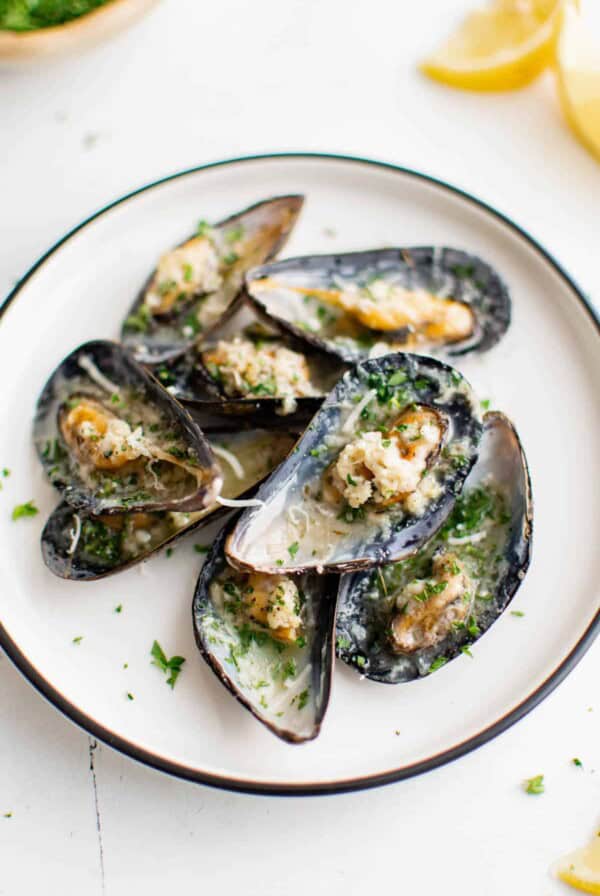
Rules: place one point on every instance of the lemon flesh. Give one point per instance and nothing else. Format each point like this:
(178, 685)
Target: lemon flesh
(581, 869)
(578, 68)
(500, 47)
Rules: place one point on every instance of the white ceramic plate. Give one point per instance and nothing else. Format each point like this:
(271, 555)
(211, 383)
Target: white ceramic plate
(545, 374)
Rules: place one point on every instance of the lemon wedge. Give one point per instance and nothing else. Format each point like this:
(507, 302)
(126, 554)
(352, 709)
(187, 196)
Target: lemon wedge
(578, 67)
(581, 869)
(499, 47)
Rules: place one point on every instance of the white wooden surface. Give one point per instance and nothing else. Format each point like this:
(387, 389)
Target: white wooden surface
(196, 82)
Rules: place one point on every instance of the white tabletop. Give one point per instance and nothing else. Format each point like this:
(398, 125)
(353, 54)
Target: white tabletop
(196, 82)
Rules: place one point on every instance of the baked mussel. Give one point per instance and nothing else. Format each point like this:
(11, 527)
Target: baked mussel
(196, 285)
(373, 477)
(83, 547)
(252, 369)
(112, 440)
(269, 640)
(407, 619)
(364, 304)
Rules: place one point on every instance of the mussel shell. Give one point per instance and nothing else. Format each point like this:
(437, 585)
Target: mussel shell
(269, 224)
(300, 721)
(235, 414)
(428, 382)
(115, 366)
(361, 640)
(97, 551)
(446, 272)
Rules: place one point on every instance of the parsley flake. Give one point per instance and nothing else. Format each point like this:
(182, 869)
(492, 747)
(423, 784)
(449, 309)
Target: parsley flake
(535, 785)
(24, 510)
(161, 662)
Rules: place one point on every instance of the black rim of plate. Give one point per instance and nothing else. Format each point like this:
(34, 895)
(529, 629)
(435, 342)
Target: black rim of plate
(242, 785)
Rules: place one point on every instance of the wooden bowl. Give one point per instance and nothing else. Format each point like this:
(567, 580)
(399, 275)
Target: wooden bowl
(77, 34)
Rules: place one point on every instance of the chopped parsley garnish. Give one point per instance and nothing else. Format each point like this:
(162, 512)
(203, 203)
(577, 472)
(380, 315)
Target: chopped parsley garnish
(361, 661)
(485, 404)
(517, 613)
(202, 548)
(129, 696)
(235, 234)
(161, 662)
(192, 323)
(78, 639)
(289, 670)
(471, 510)
(350, 480)
(5, 472)
(293, 549)
(438, 663)
(534, 785)
(99, 541)
(343, 643)
(230, 258)
(397, 378)
(203, 228)
(24, 510)
(577, 762)
(119, 608)
(303, 699)
(465, 649)
(463, 270)
(169, 552)
(301, 641)
(140, 319)
(352, 514)
(188, 273)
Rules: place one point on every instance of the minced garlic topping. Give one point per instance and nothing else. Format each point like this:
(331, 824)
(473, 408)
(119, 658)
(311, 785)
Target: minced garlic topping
(242, 368)
(188, 270)
(428, 608)
(378, 466)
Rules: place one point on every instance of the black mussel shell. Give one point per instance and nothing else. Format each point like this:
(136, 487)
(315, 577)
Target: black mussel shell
(156, 330)
(84, 547)
(175, 470)
(285, 685)
(233, 415)
(298, 528)
(293, 293)
(496, 498)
